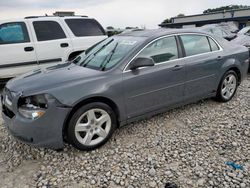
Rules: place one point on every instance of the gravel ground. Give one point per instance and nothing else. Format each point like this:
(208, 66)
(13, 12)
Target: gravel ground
(188, 146)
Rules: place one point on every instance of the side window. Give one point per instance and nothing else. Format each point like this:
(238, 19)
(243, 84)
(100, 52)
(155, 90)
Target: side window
(48, 30)
(15, 32)
(214, 46)
(195, 44)
(161, 50)
(85, 27)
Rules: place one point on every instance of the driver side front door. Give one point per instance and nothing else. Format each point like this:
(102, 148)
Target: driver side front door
(151, 88)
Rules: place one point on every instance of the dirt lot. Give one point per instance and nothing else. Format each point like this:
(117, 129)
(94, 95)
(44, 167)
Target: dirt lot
(188, 146)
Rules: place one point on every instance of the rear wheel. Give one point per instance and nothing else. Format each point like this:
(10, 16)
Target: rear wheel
(91, 126)
(228, 86)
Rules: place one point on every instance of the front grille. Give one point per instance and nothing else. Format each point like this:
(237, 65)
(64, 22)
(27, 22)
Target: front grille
(8, 112)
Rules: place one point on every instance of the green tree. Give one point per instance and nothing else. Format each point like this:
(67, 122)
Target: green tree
(169, 20)
(180, 15)
(166, 21)
(225, 8)
(110, 27)
(129, 27)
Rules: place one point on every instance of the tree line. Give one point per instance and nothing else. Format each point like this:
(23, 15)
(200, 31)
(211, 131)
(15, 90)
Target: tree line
(213, 10)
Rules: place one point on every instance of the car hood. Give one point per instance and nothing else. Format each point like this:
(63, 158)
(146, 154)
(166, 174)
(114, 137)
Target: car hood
(51, 77)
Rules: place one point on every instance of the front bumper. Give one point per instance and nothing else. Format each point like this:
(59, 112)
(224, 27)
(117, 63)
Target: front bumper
(46, 131)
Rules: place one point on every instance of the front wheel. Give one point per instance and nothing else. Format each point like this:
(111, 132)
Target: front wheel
(91, 126)
(228, 86)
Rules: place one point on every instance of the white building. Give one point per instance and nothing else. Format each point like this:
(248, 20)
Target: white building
(241, 17)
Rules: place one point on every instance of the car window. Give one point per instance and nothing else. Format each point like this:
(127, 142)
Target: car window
(13, 32)
(85, 27)
(195, 44)
(161, 50)
(214, 46)
(217, 32)
(48, 30)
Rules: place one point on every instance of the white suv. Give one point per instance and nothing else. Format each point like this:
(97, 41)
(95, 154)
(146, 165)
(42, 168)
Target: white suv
(32, 42)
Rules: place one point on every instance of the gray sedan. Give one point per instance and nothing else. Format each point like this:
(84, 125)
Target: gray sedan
(119, 80)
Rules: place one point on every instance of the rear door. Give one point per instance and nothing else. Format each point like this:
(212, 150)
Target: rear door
(151, 88)
(17, 53)
(203, 61)
(52, 43)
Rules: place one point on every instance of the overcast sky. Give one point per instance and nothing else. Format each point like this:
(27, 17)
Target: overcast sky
(117, 13)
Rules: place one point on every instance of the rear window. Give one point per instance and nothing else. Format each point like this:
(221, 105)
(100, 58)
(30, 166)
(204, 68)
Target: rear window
(85, 27)
(195, 44)
(214, 46)
(48, 30)
(217, 32)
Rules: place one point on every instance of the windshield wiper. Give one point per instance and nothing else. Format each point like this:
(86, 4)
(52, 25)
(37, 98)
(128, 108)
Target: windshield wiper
(103, 65)
(85, 64)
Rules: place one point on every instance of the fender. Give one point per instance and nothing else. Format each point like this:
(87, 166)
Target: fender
(230, 63)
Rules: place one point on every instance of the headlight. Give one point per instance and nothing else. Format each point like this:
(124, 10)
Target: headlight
(33, 107)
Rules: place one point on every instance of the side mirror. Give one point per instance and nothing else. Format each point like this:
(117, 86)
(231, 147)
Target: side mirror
(141, 62)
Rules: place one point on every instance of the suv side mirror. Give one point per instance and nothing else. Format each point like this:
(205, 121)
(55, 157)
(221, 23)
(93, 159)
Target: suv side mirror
(141, 62)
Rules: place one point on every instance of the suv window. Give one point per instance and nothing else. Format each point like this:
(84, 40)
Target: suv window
(161, 50)
(48, 30)
(85, 27)
(214, 46)
(13, 32)
(195, 44)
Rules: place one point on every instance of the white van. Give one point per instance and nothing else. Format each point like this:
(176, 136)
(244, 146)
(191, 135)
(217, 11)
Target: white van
(32, 42)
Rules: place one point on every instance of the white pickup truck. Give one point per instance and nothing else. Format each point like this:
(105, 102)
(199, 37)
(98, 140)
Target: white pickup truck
(32, 42)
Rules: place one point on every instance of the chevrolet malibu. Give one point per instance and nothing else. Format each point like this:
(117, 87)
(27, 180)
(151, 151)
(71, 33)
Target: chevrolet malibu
(119, 80)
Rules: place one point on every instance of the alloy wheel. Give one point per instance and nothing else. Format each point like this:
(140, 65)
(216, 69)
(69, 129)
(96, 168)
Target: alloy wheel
(93, 127)
(229, 86)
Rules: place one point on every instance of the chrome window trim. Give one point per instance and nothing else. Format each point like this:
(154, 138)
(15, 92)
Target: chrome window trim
(170, 35)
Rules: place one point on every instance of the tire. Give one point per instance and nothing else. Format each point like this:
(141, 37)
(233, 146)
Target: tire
(227, 88)
(91, 126)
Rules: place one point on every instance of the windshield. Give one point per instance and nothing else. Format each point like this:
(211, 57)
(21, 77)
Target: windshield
(107, 53)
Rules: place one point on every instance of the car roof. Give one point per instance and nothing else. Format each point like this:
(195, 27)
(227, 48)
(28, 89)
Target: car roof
(44, 18)
(153, 33)
(41, 17)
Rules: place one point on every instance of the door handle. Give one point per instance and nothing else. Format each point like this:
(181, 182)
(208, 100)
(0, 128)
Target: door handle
(28, 49)
(64, 45)
(219, 58)
(177, 67)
